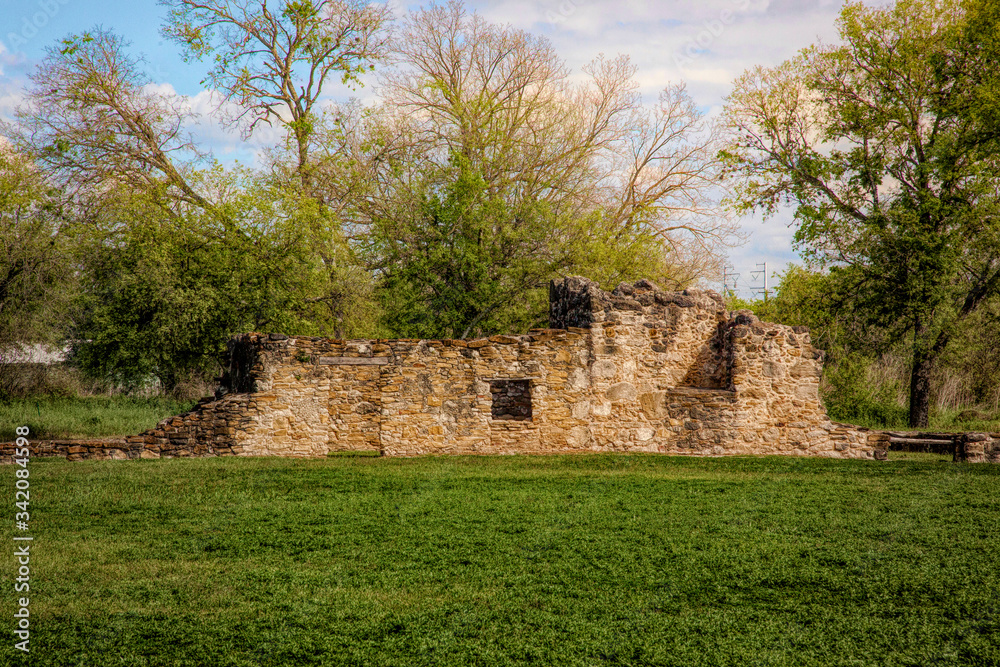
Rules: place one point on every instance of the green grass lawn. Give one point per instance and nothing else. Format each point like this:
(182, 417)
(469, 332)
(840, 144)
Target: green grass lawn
(563, 560)
(86, 417)
(922, 457)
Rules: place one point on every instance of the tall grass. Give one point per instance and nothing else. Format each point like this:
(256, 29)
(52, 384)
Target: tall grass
(59, 401)
(875, 393)
(86, 417)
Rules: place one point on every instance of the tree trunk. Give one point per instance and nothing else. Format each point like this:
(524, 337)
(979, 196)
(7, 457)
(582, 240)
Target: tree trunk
(920, 390)
(305, 178)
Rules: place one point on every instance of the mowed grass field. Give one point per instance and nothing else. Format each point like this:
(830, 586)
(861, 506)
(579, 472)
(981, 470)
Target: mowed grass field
(562, 560)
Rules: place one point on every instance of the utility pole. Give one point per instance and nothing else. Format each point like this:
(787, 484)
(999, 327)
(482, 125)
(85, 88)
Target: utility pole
(755, 275)
(729, 279)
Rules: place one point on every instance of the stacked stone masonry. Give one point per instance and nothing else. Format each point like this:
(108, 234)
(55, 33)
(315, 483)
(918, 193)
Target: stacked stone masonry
(634, 370)
(977, 448)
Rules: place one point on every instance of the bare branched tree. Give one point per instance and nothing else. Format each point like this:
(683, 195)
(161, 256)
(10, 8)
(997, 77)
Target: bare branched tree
(503, 100)
(94, 122)
(271, 65)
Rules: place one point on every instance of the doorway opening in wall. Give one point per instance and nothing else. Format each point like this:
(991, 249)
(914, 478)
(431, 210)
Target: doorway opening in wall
(511, 399)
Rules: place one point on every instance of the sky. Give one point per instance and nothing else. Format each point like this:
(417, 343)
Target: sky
(704, 43)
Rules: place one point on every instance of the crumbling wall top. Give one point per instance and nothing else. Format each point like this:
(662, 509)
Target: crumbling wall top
(579, 302)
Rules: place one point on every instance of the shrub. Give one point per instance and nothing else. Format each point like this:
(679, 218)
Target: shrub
(851, 396)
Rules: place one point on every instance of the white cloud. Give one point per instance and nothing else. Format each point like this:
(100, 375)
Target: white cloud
(717, 39)
(10, 97)
(211, 132)
(716, 75)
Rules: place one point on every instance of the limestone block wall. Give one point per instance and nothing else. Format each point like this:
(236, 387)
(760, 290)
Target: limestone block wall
(438, 396)
(639, 332)
(643, 342)
(287, 396)
(636, 369)
(212, 428)
(775, 373)
(676, 373)
(307, 396)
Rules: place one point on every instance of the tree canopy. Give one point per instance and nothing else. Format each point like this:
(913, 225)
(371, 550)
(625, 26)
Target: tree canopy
(883, 145)
(271, 64)
(540, 176)
(37, 264)
(482, 169)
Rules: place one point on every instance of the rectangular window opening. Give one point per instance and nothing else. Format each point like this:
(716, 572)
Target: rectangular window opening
(511, 399)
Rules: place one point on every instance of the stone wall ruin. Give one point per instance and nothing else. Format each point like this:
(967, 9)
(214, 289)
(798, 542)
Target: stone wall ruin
(634, 370)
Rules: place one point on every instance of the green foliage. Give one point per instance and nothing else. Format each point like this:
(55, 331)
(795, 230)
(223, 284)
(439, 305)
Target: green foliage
(610, 253)
(866, 372)
(466, 263)
(890, 165)
(815, 300)
(475, 261)
(983, 102)
(971, 355)
(852, 397)
(272, 62)
(799, 299)
(563, 560)
(36, 259)
(164, 291)
(488, 170)
(35, 380)
(850, 390)
(554, 178)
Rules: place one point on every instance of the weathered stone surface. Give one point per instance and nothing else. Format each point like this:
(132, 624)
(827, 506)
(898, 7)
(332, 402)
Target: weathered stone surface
(604, 368)
(772, 369)
(654, 406)
(623, 391)
(353, 361)
(805, 369)
(977, 448)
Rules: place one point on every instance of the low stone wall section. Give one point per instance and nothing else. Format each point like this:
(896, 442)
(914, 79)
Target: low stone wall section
(977, 448)
(206, 430)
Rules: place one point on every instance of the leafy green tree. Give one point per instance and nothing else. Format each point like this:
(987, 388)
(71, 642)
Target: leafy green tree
(578, 177)
(854, 390)
(178, 256)
(37, 264)
(272, 64)
(881, 146)
(980, 99)
(465, 263)
(971, 361)
(163, 293)
(824, 302)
